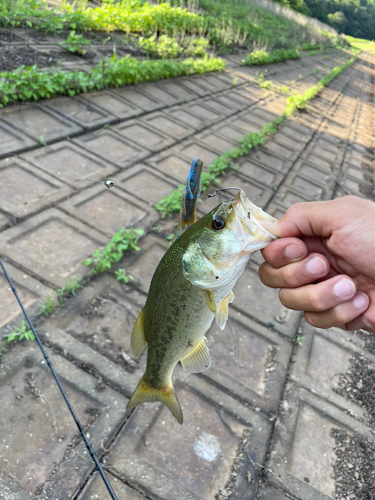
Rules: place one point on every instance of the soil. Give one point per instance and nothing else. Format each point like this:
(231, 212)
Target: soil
(12, 57)
(357, 384)
(354, 470)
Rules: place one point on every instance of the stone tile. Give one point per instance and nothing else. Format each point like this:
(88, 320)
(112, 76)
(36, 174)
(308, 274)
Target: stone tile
(143, 135)
(191, 121)
(80, 111)
(137, 99)
(25, 190)
(166, 124)
(96, 489)
(248, 361)
(259, 173)
(195, 459)
(293, 144)
(319, 175)
(190, 149)
(51, 246)
(176, 89)
(196, 86)
(215, 142)
(287, 196)
(153, 249)
(281, 151)
(111, 103)
(111, 146)
(156, 93)
(317, 161)
(228, 131)
(14, 141)
(242, 97)
(218, 106)
(70, 163)
(320, 360)
(145, 183)
(305, 422)
(4, 222)
(202, 113)
(108, 211)
(214, 82)
(262, 304)
(171, 164)
(269, 493)
(35, 419)
(37, 122)
(230, 102)
(308, 188)
(30, 291)
(104, 321)
(242, 124)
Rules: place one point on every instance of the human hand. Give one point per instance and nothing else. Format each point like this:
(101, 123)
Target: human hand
(324, 262)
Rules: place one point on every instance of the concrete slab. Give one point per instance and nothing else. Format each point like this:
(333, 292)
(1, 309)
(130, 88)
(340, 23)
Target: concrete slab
(14, 141)
(25, 190)
(112, 147)
(51, 246)
(143, 135)
(71, 164)
(108, 211)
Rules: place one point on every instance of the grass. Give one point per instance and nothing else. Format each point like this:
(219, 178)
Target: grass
(123, 241)
(258, 57)
(359, 43)
(29, 83)
(171, 203)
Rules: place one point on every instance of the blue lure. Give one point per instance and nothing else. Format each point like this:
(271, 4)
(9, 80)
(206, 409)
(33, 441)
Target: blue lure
(188, 213)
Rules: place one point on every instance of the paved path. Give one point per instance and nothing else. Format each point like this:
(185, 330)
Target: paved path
(280, 399)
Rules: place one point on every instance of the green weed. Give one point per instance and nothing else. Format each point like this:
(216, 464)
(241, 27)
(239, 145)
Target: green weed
(46, 308)
(123, 241)
(75, 43)
(29, 83)
(23, 333)
(69, 289)
(122, 276)
(261, 57)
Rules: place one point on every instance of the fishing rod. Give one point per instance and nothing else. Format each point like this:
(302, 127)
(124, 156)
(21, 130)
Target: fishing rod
(75, 418)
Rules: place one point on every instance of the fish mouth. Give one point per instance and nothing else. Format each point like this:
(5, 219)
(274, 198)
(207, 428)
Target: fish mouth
(251, 223)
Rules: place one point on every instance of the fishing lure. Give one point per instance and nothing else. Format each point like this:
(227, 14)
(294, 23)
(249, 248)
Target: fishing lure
(188, 213)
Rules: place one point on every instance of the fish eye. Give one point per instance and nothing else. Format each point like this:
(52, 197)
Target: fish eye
(218, 223)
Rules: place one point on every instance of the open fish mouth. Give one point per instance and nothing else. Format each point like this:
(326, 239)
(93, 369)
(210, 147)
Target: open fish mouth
(251, 224)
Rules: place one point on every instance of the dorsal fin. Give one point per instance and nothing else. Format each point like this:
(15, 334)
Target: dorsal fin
(138, 340)
(198, 360)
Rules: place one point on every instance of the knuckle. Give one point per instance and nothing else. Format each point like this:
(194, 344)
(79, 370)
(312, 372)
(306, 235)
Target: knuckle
(312, 319)
(291, 276)
(284, 298)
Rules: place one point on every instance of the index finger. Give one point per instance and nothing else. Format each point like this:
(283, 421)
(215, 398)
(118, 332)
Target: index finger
(283, 251)
(316, 218)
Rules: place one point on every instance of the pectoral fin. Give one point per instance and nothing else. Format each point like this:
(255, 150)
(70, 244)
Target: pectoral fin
(210, 301)
(198, 360)
(222, 313)
(138, 341)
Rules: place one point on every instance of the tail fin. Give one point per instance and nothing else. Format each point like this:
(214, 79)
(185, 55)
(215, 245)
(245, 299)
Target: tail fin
(146, 392)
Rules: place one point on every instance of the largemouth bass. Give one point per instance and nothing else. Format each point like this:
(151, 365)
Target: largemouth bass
(191, 286)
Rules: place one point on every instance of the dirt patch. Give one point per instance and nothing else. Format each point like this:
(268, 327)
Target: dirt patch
(357, 384)
(354, 470)
(14, 56)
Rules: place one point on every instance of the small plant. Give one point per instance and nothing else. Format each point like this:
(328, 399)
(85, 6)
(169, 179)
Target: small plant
(21, 333)
(313, 71)
(122, 276)
(235, 81)
(298, 339)
(165, 47)
(75, 43)
(47, 307)
(69, 289)
(123, 241)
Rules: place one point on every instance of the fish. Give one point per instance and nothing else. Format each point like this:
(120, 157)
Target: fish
(192, 285)
(188, 212)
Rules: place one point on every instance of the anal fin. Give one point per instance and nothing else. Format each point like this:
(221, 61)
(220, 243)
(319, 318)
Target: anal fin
(198, 360)
(138, 341)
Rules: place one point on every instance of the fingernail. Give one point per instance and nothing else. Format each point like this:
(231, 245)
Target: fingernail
(360, 300)
(293, 251)
(316, 266)
(344, 288)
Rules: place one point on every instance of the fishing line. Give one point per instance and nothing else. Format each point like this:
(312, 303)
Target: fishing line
(109, 184)
(80, 428)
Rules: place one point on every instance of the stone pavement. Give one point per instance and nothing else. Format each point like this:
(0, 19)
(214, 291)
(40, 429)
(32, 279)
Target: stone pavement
(266, 399)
